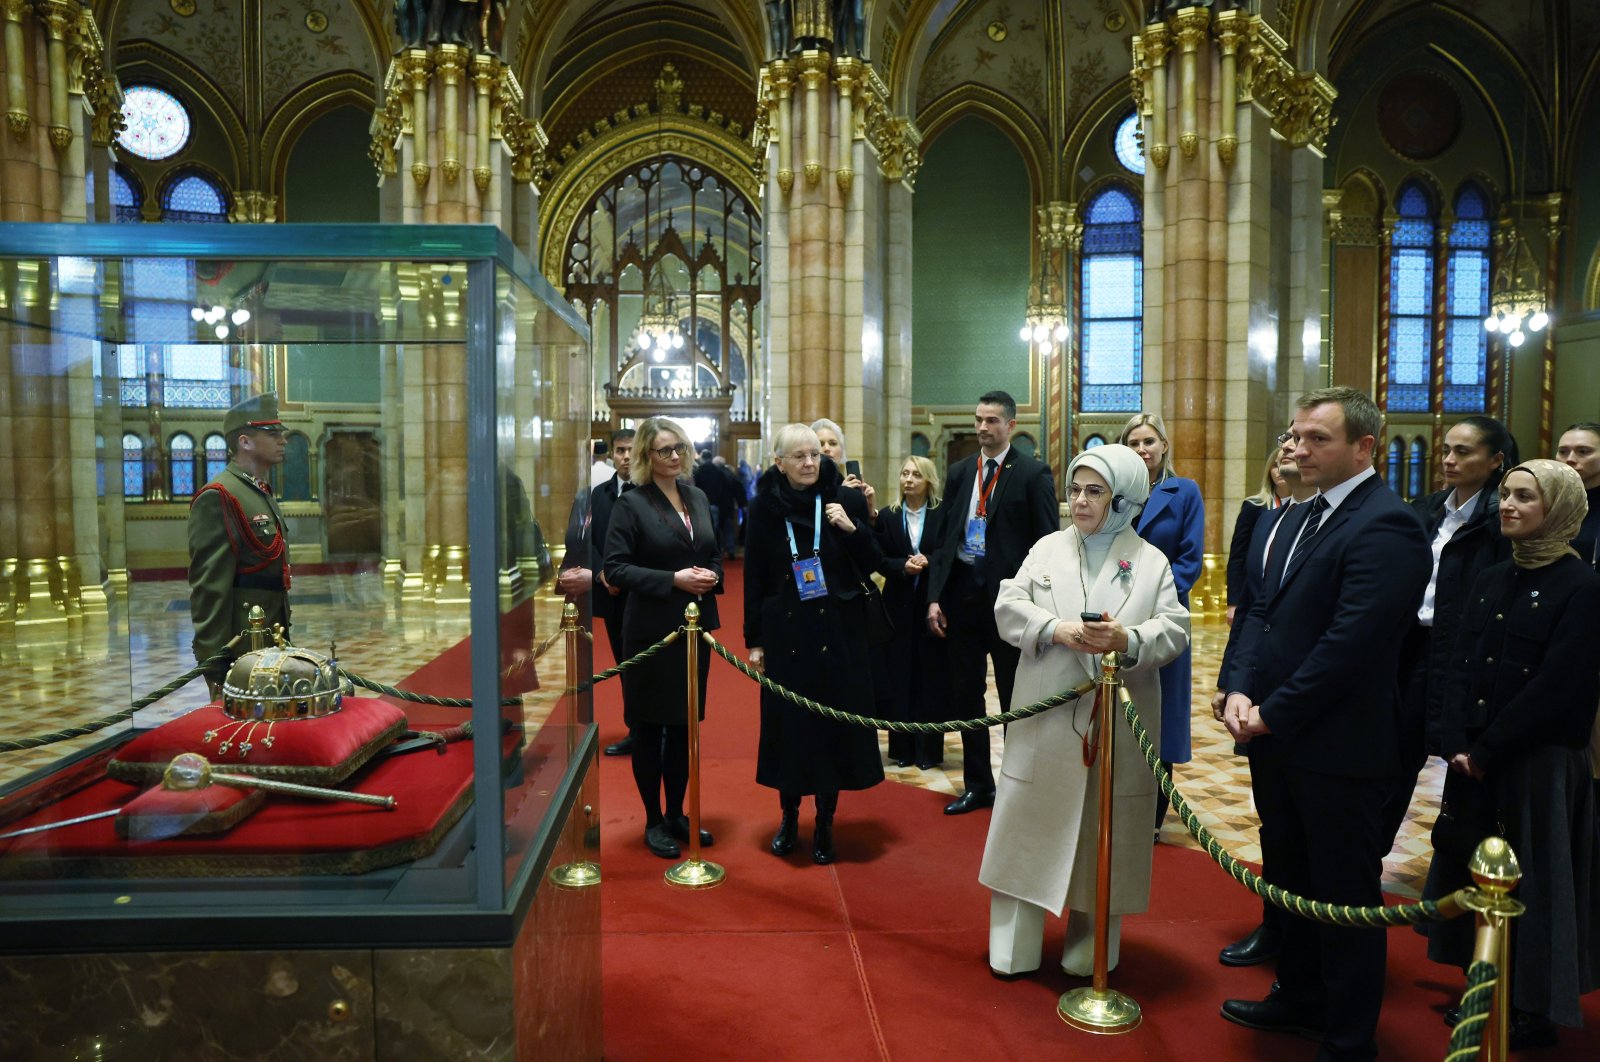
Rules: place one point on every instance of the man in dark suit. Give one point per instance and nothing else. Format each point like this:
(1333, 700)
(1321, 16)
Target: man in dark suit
(581, 571)
(1315, 681)
(1260, 944)
(1000, 502)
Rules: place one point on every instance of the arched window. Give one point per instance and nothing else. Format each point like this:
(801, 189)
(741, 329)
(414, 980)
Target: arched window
(156, 125)
(216, 455)
(1417, 472)
(1111, 310)
(1395, 467)
(296, 467)
(194, 197)
(1411, 299)
(1466, 348)
(1127, 144)
(126, 196)
(132, 466)
(180, 465)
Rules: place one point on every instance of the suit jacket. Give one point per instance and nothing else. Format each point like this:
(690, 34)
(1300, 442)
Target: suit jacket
(1244, 526)
(1174, 521)
(646, 544)
(1320, 648)
(1022, 509)
(228, 570)
(590, 520)
(907, 598)
(1251, 557)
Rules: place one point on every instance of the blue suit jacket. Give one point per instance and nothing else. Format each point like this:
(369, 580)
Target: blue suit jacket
(1174, 521)
(1250, 585)
(1320, 647)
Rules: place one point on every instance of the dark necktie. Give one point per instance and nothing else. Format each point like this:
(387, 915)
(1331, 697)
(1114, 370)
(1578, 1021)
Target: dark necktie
(991, 468)
(1319, 506)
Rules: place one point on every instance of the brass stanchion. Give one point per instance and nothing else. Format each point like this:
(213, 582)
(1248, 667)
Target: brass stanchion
(694, 873)
(1098, 1008)
(581, 874)
(1495, 868)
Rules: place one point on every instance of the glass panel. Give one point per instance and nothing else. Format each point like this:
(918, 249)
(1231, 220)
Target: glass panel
(194, 198)
(410, 468)
(1395, 468)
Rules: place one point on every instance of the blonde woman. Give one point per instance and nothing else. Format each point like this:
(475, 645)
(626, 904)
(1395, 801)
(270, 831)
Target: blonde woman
(912, 666)
(1274, 493)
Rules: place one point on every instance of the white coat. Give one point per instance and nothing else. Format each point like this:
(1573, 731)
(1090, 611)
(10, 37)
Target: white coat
(1043, 834)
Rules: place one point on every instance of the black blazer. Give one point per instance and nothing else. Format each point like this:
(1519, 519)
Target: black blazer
(1251, 556)
(906, 598)
(645, 545)
(1320, 648)
(1022, 509)
(1239, 547)
(588, 524)
(1524, 663)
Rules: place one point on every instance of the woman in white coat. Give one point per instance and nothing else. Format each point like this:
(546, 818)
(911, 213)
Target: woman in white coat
(1041, 851)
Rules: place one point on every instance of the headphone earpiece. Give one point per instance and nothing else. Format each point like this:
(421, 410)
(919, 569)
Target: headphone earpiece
(1118, 503)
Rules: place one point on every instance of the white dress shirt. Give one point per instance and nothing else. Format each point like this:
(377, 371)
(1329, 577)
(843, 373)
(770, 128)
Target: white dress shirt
(1454, 517)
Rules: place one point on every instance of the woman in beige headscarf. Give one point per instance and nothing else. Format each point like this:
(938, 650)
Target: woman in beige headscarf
(1517, 715)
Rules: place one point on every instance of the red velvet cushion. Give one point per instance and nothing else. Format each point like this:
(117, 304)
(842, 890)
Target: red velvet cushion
(157, 814)
(322, 751)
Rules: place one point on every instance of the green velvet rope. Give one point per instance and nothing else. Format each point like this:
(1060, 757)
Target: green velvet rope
(1467, 1036)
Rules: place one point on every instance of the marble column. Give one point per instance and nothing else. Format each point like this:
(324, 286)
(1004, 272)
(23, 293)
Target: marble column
(837, 244)
(1233, 249)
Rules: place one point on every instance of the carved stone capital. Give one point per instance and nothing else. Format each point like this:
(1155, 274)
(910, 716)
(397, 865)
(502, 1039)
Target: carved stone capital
(813, 173)
(846, 180)
(416, 64)
(1159, 154)
(814, 69)
(1227, 149)
(420, 173)
(20, 123)
(451, 168)
(255, 208)
(1157, 43)
(1190, 25)
(786, 181)
(60, 137)
(780, 75)
(16, 10)
(481, 176)
(451, 62)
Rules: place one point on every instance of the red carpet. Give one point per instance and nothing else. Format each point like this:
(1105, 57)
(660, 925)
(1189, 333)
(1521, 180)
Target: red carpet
(883, 954)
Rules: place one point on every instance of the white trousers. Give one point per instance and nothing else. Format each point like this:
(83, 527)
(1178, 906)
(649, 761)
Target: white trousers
(1016, 938)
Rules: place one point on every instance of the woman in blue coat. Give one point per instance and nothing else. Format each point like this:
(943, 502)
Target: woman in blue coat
(1174, 521)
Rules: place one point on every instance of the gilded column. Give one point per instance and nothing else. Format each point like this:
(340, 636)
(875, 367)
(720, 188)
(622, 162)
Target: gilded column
(1156, 45)
(1191, 23)
(1554, 231)
(1380, 383)
(814, 74)
(18, 113)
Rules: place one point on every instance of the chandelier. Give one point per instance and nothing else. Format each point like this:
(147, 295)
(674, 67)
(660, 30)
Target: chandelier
(657, 331)
(1517, 297)
(1045, 320)
(218, 318)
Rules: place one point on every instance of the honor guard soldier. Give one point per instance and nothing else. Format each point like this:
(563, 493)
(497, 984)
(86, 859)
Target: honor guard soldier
(238, 552)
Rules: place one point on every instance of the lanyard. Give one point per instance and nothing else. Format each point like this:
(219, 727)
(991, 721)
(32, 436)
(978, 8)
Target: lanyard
(816, 531)
(983, 495)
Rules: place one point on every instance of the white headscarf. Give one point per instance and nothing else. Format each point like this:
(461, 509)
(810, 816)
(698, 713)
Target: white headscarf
(1125, 473)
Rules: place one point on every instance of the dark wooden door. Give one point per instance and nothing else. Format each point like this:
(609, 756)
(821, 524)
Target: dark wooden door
(352, 495)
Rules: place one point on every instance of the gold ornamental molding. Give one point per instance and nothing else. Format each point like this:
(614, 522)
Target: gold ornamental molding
(78, 81)
(894, 139)
(632, 136)
(1254, 68)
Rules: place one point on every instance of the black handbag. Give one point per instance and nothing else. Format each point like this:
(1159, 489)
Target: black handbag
(880, 628)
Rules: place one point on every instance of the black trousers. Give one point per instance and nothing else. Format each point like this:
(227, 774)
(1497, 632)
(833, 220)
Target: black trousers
(1415, 676)
(974, 642)
(1324, 837)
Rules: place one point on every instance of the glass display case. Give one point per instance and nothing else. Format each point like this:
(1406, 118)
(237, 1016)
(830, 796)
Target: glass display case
(434, 400)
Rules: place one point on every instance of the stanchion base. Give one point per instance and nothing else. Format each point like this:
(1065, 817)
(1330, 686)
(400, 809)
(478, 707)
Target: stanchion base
(696, 874)
(576, 875)
(1102, 1011)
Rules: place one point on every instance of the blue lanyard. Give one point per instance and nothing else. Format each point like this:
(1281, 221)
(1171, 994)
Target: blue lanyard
(816, 534)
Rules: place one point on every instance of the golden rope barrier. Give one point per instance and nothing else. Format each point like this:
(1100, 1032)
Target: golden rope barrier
(1098, 1008)
(694, 873)
(580, 874)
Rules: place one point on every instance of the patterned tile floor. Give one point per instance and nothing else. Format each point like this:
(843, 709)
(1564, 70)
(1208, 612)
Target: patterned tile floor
(66, 681)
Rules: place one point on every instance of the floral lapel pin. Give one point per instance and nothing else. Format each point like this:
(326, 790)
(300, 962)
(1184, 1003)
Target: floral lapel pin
(1124, 569)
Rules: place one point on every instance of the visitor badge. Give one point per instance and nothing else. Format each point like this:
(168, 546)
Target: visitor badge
(808, 578)
(977, 528)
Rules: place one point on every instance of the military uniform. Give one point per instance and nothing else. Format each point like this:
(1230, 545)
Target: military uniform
(238, 551)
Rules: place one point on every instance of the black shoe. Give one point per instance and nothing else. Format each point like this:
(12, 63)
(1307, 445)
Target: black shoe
(1270, 1015)
(621, 748)
(930, 765)
(1253, 950)
(788, 827)
(902, 763)
(822, 852)
(1452, 1016)
(659, 841)
(971, 801)
(1529, 1031)
(678, 826)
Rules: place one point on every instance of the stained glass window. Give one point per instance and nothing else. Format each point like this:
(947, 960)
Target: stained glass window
(1130, 149)
(1466, 344)
(132, 466)
(197, 377)
(158, 125)
(194, 198)
(216, 455)
(1417, 472)
(1111, 310)
(1395, 466)
(126, 199)
(1411, 300)
(180, 462)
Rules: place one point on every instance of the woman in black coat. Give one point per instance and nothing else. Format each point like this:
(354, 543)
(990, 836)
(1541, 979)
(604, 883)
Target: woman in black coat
(1274, 491)
(805, 526)
(661, 550)
(912, 664)
(1518, 710)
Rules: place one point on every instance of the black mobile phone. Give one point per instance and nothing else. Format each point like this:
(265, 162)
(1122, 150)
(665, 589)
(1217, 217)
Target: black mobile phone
(852, 468)
(1090, 617)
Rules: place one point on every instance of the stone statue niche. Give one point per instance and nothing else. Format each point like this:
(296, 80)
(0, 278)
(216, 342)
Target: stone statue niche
(478, 23)
(849, 27)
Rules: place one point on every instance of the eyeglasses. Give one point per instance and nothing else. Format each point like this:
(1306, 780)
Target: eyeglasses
(1284, 437)
(666, 452)
(1091, 492)
(813, 456)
